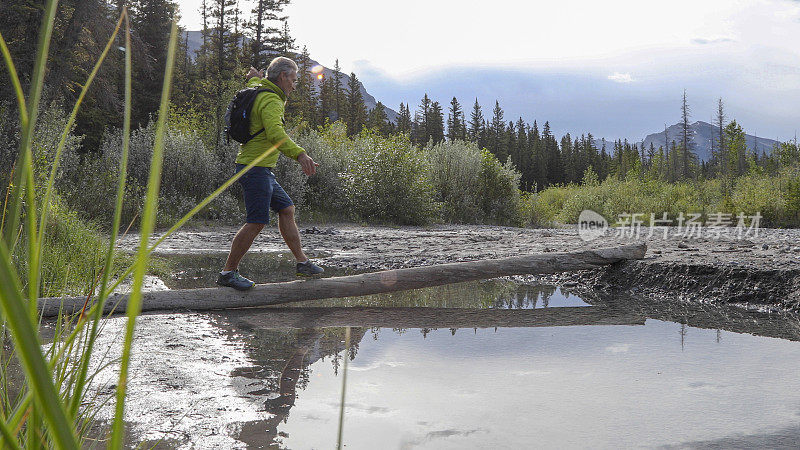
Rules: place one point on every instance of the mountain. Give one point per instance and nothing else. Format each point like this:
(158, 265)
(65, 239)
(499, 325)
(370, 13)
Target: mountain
(194, 40)
(703, 133)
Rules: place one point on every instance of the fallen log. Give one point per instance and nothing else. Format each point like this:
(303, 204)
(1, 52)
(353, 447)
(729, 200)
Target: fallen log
(355, 285)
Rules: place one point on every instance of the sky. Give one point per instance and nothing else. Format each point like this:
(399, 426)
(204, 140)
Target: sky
(616, 68)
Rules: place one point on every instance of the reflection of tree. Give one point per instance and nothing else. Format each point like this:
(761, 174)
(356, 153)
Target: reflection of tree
(473, 294)
(523, 297)
(283, 357)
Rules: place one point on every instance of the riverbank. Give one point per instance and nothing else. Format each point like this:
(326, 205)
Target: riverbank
(760, 271)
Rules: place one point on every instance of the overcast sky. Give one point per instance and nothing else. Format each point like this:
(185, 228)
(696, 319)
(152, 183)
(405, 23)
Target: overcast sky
(615, 68)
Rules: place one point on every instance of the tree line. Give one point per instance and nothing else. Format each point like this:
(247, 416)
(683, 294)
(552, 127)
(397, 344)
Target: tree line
(233, 40)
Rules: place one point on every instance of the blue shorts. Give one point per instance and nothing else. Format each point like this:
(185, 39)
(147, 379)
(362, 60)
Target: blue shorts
(262, 192)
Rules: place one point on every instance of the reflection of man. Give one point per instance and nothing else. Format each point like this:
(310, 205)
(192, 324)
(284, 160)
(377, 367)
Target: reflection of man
(261, 191)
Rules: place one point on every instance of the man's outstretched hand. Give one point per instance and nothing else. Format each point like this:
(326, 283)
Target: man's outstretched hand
(254, 73)
(308, 164)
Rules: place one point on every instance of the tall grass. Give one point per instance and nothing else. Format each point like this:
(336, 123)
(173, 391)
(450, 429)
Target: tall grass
(775, 197)
(48, 411)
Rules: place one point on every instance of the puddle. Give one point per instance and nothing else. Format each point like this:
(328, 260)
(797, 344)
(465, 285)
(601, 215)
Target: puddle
(490, 364)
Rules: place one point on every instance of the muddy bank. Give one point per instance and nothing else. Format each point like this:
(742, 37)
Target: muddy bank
(759, 271)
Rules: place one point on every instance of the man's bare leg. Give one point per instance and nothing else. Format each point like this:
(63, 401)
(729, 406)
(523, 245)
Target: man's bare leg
(290, 233)
(241, 243)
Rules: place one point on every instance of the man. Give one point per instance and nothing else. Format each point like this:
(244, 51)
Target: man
(261, 191)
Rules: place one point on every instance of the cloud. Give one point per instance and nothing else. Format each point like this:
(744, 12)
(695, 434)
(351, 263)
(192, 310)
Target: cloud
(621, 77)
(707, 41)
(618, 348)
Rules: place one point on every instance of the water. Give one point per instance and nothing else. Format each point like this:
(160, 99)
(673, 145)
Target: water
(496, 364)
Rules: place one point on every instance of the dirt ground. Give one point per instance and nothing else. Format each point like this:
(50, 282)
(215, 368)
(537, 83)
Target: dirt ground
(761, 271)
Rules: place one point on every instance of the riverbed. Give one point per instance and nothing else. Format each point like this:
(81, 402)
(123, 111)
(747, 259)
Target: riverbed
(504, 363)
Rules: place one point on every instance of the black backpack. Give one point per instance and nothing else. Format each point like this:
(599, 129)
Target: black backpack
(237, 116)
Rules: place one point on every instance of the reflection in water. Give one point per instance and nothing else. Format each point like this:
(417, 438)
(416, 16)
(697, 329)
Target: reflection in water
(473, 365)
(418, 382)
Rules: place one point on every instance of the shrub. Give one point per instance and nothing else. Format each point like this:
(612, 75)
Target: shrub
(499, 196)
(190, 172)
(455, 174)
(387, 181)
(325, 192)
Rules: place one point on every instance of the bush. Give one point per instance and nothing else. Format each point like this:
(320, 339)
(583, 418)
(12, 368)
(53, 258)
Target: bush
(455, 174)
(325, 192)
(191, 171)
(499, 195)
(387, 181)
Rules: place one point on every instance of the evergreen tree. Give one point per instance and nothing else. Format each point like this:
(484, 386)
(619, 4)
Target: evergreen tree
(552, 157)
(376, 120)
(404, 120)
(455, 126)
(327, 108)
(495, 134)
(356, 111)
(339, 97)
(302, 103)
(523, 156)
(436, 123)
(686, 139)
(475, 122)
(422, 125)
(284, 42)
(151, 20)
(721, 147)
(264, 37)
(737, 149)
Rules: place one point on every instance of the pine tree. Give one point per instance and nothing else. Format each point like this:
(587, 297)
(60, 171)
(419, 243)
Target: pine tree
(737, 149)
(552, 156)
(264, 38)
(151, 21)
(721, 147)
(404, 120)
(284, 42)
(523, 159)
(436, 123)
(303, 101)
(327, 108)
(422, 123)
(475, 122)
(339, 97)
(496, 144)
(455, 127)
(686, 138)
(377, 120)
(356, 111)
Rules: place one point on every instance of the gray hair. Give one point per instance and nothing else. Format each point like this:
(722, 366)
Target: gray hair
(278, 66)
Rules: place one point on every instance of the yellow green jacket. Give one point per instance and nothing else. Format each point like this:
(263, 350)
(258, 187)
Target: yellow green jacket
(267, 113)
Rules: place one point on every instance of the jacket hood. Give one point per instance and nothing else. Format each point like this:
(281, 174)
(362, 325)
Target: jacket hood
(265, 83)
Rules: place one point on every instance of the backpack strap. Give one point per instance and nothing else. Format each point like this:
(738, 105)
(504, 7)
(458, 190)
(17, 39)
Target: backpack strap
(251, 107)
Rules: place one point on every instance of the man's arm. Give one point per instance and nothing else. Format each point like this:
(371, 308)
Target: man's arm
(271, 113)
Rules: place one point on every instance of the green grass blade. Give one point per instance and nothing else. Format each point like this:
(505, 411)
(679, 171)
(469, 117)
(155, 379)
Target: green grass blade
(12, 73)
(26, 341)
(35, 95)
(8, 437)
(109, 261)
(65, 134)
(340, 434)
(147, 226)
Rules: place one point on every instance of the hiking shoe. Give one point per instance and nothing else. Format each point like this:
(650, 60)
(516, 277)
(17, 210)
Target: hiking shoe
(234, 280)
(308, 269)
